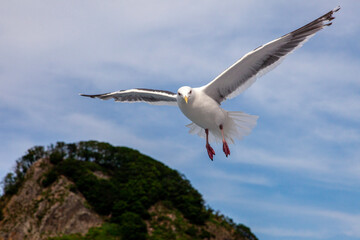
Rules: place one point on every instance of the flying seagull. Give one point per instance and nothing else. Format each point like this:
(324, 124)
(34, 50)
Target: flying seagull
(202, 104)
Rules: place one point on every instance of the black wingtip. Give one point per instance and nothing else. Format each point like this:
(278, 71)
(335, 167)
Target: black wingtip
(328, 24)
(336, 9)
(86, 95)
(329, 16)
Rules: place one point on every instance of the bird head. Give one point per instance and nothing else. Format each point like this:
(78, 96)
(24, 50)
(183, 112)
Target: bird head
(184, 94)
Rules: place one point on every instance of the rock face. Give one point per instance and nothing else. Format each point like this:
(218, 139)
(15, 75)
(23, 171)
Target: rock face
(166, 223)
(36, 212)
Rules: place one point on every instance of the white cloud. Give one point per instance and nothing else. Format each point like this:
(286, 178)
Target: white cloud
(326, 170)
(237, 178)
(292, 233)
(290, 162)
(337, 133)
(349, 222)
(306, 85)
(313, 222)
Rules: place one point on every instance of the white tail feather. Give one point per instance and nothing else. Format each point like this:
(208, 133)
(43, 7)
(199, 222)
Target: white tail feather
(237, 125)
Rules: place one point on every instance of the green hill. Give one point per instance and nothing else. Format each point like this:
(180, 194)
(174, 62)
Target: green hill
(114, 193)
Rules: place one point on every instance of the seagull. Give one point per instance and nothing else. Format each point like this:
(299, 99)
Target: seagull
(202, 104)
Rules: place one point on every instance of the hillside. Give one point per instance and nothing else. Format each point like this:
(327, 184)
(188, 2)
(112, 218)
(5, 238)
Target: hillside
(92, 190)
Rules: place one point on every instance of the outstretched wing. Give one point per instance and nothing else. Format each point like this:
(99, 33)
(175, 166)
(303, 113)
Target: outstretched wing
(243, 73)
(156, 97)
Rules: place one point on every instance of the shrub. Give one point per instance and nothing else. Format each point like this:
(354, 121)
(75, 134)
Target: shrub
(56, 157)
(49, 178)
(108, 231)
(191, 231)
(132, 227)
(11, 184)
(245, 231)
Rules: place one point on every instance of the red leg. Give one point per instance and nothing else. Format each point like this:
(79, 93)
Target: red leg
(226, 148)
(209, 149)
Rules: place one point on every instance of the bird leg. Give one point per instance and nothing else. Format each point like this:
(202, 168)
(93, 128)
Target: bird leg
(226, 148)
(209, 149)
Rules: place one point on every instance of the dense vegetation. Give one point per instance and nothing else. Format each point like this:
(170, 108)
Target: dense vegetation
(133, 183)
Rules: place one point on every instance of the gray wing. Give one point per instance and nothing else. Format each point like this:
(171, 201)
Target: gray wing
(156, 97)
(244, 72)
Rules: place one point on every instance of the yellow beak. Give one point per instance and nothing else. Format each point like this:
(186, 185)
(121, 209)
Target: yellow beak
(186, 99)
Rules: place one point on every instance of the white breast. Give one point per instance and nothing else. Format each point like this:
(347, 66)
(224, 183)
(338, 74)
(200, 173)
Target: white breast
(203, 110)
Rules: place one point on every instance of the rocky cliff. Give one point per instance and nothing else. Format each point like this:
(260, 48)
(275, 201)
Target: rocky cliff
(36, 212)
(92, 190)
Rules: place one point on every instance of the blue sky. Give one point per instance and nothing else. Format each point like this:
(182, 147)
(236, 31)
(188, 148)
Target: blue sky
(297, 176)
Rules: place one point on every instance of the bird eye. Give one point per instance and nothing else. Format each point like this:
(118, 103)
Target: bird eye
(190, 92)
(179, 94)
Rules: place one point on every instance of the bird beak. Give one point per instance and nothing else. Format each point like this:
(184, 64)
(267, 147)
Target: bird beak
(186, 99)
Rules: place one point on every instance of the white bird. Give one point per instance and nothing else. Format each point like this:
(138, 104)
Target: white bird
(202, 104)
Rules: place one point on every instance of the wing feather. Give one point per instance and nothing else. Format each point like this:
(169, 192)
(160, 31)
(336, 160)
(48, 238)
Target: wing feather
(156, 97)
(244, 72)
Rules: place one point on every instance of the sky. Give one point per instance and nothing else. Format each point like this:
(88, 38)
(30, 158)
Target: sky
(296, 176)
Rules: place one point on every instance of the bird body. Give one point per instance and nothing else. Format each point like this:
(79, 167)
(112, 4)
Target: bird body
(201, 109)
(202, 105)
